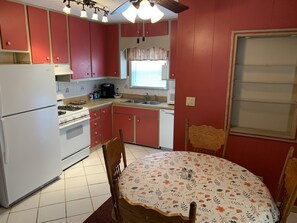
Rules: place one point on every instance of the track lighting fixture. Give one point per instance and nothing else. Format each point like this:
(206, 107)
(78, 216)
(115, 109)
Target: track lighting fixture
(90, 4)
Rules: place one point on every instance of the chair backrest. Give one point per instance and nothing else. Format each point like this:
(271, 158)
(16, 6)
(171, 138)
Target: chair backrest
(205, 138)
(136, 213)
(113, 150)
(282, 176)
(290, 189)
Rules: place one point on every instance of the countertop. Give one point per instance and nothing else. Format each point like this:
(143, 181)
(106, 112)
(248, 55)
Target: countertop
(103, 102)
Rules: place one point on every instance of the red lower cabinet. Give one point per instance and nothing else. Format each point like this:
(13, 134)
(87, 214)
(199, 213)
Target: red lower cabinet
(126, 123)
(100, 125)
(147, 130)
(140, 126)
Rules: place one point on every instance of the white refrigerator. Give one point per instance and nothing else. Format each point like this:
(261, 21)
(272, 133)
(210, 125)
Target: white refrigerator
(30, 154)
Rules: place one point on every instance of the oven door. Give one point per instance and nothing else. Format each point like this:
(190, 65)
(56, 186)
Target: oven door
(74, 137)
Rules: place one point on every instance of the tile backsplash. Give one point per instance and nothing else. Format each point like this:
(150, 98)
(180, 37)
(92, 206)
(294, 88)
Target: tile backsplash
(81, 88)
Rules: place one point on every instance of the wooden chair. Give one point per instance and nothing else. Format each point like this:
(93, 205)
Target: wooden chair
(204, 138)
(290, 189)
(113, 150)
(282, 176)
(131, 213)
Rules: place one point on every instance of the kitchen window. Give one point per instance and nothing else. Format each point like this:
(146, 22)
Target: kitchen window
(264, 87)
(147, 74)
(145, 67)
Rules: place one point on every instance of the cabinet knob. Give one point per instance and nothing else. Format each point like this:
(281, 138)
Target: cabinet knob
(88, 74)
(8, 43)
(172, 75)
(47, 58)
(95, 124)
(115, 72)
(95, 114)
(103, 111)
(57, 58)
(95, 133)
(138, 120)
(129, 119)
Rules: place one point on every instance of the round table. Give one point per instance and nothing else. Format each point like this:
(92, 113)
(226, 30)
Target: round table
(223, 191)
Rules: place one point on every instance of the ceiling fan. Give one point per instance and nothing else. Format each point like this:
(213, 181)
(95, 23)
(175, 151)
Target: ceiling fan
(131, 7)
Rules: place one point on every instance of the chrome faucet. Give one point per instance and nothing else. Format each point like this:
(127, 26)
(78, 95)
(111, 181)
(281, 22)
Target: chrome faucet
(146, 97)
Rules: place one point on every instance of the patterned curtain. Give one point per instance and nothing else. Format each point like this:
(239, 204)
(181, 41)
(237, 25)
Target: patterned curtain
(147, 54)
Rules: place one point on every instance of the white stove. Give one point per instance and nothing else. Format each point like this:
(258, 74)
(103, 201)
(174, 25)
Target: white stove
(68, 114)
(74, 125)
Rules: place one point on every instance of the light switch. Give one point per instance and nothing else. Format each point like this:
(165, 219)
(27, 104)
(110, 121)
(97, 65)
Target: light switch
(190, 101)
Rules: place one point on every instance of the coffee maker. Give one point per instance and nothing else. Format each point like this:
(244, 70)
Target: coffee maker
(107, 90)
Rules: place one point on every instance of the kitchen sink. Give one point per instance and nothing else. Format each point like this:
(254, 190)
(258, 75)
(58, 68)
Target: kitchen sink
(134, 101)
(138, 101)
(152, 102)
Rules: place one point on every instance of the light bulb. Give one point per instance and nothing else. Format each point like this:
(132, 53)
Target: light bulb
(130, 13)
(83, 13)
(67, 9)
(104, 18)
(144, 11)
(95, 16)
(156, 14)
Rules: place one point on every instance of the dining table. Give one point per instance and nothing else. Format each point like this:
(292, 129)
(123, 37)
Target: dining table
(223, 190)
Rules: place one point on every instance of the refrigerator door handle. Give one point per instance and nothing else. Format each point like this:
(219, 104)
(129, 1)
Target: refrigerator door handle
(3, 142)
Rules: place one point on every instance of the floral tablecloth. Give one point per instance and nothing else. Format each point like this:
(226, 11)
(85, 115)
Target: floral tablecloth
(223, 191)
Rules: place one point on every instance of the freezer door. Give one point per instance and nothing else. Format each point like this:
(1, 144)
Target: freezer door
(26, 87)
(30, 152)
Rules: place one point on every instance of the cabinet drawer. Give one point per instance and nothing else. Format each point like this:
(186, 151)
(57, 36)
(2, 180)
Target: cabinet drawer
(95, 141)
(95, 124)
(95, 114)
(95, 133)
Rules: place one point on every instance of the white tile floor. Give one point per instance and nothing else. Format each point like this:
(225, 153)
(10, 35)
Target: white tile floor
(80, 190)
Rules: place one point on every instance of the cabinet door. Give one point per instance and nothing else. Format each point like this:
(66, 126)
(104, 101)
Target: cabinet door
(80, 55)
(147, 131)
(113, 58)
(98, 49)
(156, 29)
(13, 26)
(59, 37)
(106, 124)
(39, 35)
(131, 29)
(173, 45)
(126, 123)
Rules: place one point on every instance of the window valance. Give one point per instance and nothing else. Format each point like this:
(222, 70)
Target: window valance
(153, 53)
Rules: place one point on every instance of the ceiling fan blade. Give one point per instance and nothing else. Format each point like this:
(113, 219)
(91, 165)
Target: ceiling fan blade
(172, 5)
(121, 8)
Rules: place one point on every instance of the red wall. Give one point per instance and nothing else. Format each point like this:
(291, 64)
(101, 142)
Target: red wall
(203, 53)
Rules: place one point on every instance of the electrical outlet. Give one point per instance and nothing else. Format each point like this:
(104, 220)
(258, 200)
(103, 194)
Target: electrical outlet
(190, 101)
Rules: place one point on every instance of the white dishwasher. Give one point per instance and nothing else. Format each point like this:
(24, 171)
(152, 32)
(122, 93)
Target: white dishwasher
(166, 129)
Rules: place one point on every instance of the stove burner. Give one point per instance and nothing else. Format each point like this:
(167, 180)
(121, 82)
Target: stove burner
(61, 113)
(69, 108)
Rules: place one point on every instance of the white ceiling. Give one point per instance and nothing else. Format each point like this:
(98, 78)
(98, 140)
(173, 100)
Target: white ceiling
(110, 5)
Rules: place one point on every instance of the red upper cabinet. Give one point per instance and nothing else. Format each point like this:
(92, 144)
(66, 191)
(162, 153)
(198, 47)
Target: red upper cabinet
(13, 26)
(80, 54)
(58, 24)
(98, 49)
(39, 35)
(131, 29)
(150, 29)
(173, 46)
(113, 57)
(156, 29)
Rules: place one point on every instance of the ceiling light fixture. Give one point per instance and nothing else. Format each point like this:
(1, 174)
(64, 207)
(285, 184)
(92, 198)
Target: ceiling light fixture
(104, 18)
(67, 8)
(145, 9)
(90, 4)
(83, 13)
(95, 15)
